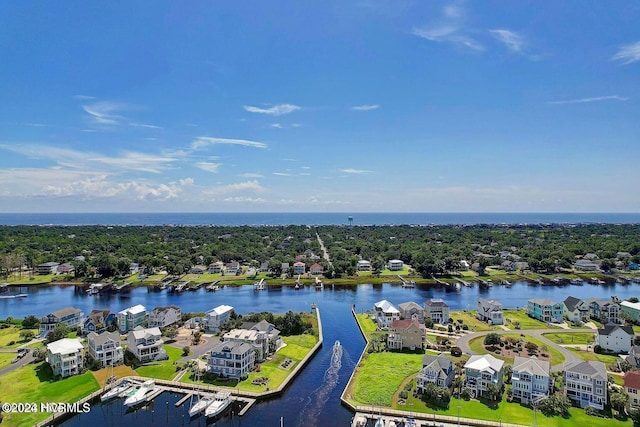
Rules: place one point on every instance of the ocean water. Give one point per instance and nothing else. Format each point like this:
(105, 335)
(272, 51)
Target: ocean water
(313, 218)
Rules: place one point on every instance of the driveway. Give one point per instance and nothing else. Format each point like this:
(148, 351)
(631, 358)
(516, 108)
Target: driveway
(207, 342)
(28, 358)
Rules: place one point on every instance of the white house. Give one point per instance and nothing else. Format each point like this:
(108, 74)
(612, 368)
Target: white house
(216, 267)
(316, 269)
(364, 265)
(258, 340)
(395, 265)
(47, 268)
(385, 313)
(217, 317)
(161, 317)
(586, 383)
(531, 379)
(146, 344)
(65, 357)
(482, 370)
(490, 311)
(437, 310)
(130, 318)
(105, 348)
(586, 265)
(615, 338)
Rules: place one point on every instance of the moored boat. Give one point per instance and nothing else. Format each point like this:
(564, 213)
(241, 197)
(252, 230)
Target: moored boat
(200, 405)
(141, 394)
(221, 401)
(115, 391)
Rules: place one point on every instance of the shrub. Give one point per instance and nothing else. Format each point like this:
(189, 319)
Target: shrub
(492, 339)
(456, 351)
(404, 394)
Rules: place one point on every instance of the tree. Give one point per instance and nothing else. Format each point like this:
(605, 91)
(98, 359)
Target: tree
(186, 350)
(492, 339)
(508, 371)
(30, 322)
(619, 401)
(493, 391)
(61, 331)
(26, 334)
(635, 417)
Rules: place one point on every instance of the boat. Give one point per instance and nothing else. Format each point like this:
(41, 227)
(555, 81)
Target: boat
(576, 281)
(259, 286)
(115, 391)
(200, 405)
(221, 401)
(410, 422)
(379, 423)
(141, 394)
(319, 284)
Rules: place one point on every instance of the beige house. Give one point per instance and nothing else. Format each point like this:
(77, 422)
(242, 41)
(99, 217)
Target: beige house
(409, 334)
(632, 388)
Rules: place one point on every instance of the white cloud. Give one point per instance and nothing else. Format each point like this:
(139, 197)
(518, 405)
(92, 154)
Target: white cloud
(628, 54)
(144, 125)
(296, 125)
(365, 107)
(290, 160)
(243, 199)
(594, 99)
(209, 167)
(355, 171)
(35, 125)
(453, 11)
(281, 174)
(304, 174)
(449, 29)
(276, 110)
(104, 112)
(251, 175)
(186, 181)
(84, 97)
(277, 126)
(231, 188)
(512, 40)
(305, 167)
(203, 141)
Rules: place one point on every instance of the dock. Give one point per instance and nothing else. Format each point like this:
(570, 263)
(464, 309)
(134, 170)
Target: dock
(407, 283)
(454, 285)
(465, 283)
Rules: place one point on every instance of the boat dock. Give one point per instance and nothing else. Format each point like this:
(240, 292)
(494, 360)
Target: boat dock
(407, 283)
(465, 283)
(454, 285)
(259, 286)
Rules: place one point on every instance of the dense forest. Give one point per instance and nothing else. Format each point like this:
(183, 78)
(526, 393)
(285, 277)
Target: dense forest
(109, 250)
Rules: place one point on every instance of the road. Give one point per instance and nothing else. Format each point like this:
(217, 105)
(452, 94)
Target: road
(324, 250)
(28, 358)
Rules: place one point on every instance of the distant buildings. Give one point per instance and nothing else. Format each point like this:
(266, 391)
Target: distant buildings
(217, 317)
(105, 348)
(385, 313)
(132, 317)
(215, 267)
(316, 269)
(364, 265)
(615, 338)
(437, 310)
(146, 344)
(586, 265)
(586, 383)
(47, 268)
(395, 265)
(545, 310)
(490, 311)
(65, 357)
(71, 317)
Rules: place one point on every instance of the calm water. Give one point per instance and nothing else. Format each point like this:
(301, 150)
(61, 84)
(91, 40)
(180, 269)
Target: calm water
(313, 218)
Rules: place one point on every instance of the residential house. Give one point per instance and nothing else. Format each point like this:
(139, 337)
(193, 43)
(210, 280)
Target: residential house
(105, 348)
(316, 269)
(258, 340)
(215, 267)
(134, 268)
(161, 317)
(531, 379)
(482, 370)
(198, 269)
(395, 265)
(264, 266)
(284, 267)
(98, 320)
(409, 334)
(634, 356)
(364, 265)
(623, 255)
(604, 310)
(231, 359)
(490, 310)
(586, 265)
(586, 383)
(411, 311)
(633, 266)
(591, 256)
(576, 310)
(632, 388)
(299, 267)
(545, 310)
(438, 370)
(437, 310)
(522, 266)
(232, 268)
(130, 318)
(615, 338)
(65, 268)
(217, 317)
(301, 257)
(71, 317)
(273, 334)
(65, 357)
(508, 266)
(631, 309)
(464, 265)
(385, 313)
(47, 268)
(146, 344)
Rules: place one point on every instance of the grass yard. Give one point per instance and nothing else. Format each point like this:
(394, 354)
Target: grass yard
(607, 359)
(30, 280)
(476, 345)
(119, 371)
(12, 334)
(469, 319)
(6, 358)
(526, 322)
(403, 272)
(164, 369)
(31, 383)
(570, 338)
(367, 325)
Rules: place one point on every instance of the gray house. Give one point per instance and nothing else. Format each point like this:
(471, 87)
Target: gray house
(437, 370)
(490, 311)
(411, 311)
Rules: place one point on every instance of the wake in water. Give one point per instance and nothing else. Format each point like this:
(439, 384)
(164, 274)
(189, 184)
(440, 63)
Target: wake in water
(311, 411)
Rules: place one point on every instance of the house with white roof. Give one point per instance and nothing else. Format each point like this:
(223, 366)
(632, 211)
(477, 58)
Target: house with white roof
(217, 317)
(586, 383)
(364, 265)
(146, 344)
(130, 318)
(615, 338)
(631, 309)
(395, 265)
(161, 317)
(258, 340)
(105, 348)
(490, 311)
(47, 268)
(65, 357)
(385, 313)
(531, 379)
(482, 370)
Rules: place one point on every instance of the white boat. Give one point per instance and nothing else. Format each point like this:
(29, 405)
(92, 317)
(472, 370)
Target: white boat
(409, 422)
(319, 284)
(115, 391)
(379, 423)
(259, 286)
(221, 401)
(200, 405)
(140, 396)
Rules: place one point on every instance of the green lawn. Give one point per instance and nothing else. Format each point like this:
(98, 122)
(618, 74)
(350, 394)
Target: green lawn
(6, 358)
(30, 280)
(469, 319)
(570, 338)
(366, 323)
(30, 383)
(607, 359)
(403, 272)
(164, 369)
(12, 334)
(476, 345)
(526, 322)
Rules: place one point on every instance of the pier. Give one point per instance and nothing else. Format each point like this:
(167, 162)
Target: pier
(407, 283)
(454, 285)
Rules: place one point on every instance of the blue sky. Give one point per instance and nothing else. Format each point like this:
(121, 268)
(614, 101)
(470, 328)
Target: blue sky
(376, 105)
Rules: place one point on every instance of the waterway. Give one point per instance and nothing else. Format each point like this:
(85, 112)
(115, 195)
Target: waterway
(313, 398)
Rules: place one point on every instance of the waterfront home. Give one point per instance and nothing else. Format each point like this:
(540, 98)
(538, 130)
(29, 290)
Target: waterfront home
(586, 265)
(632, 388)
(217, 317)
(273, 335)
(105, 348)
(591, 256)
(258, 340)
(364, 265)
(395, 265)
(316, 269)
(437, 370)
(437, 310)
(161, 317)
(522, 265)
(406, 334)
(98, 320)
(576, 310)
(231, 359)
(132, 317)
(146, 344)
(71, 317)
(65, 357)
(215, 267)
(464, 265)
(531, 379)
(134, 268)
(411, 311)
(232, 268)
(65, 268)
(604, 310)
(299, 267)
(385, 313)
(482, 370)
(631, 309)
(490, 310)
(198, 269)
(301, 257)
(586, 383)
(615, 338)
(264, 266)
(623, 255)
(545, 310)
(508, 266)
(634, 356)
(47, 268)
